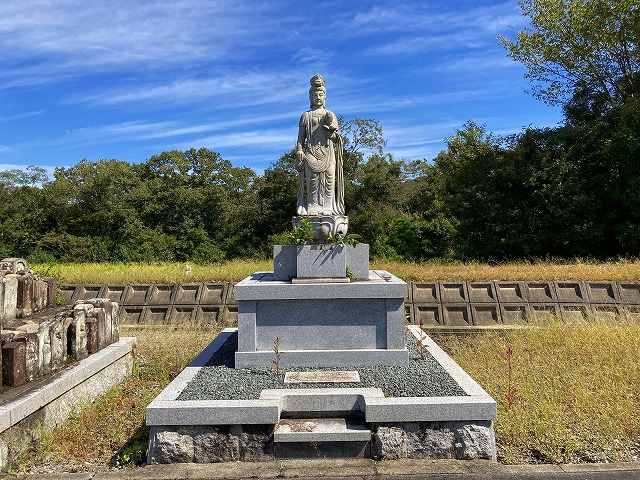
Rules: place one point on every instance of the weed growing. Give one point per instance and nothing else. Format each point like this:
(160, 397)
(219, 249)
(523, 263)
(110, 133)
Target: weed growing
(578, 389)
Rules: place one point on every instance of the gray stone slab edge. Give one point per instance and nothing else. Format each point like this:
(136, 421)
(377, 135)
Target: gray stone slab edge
(468, 384)
(73, 376)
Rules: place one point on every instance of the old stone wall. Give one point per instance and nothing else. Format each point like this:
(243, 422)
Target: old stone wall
(448, 305)
(45, 342)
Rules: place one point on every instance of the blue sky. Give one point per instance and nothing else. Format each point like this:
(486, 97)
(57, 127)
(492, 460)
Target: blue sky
(128, 79)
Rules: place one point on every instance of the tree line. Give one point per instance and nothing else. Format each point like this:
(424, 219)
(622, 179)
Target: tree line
(568, 191)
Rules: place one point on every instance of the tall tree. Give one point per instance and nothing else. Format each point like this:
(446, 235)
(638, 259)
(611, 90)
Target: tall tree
(587, 44)
(359, 134)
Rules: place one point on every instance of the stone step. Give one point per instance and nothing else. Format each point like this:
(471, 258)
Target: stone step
(321, 438)
(291, 430)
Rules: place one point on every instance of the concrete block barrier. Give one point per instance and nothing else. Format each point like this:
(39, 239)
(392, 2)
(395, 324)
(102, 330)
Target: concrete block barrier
(541, 292)
(575, 312)
(482, 292)
(213, 293)
(515, 313)
(132, 315)
(183, 313)
(451, 292)
(136, 295)
(188, 294)
(162, 294)
(157, 315)
(457, 315)
(629, 293)
(429, 314)
(511, 292)
(543, 313)
(437, 304)
(571, 292)
(115, 293)
(422, 292)
(486, 314)
(602, 292)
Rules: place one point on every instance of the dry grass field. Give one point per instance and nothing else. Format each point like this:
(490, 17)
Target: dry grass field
(236, 270)
(575, 387)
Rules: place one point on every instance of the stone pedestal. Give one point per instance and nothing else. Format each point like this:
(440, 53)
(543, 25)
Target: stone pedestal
(321, 324)
(320, 261)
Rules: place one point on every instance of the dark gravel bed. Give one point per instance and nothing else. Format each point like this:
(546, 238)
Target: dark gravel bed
(219, 380)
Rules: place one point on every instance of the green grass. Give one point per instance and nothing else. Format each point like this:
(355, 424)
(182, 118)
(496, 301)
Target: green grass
(236, 270)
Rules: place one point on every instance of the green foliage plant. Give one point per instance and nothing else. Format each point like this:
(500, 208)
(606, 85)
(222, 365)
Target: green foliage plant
(577, 43)
(134, 454)
(302, 234)
(351, 239)
(349, 273)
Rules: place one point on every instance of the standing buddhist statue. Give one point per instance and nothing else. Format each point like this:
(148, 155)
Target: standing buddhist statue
(319, 165)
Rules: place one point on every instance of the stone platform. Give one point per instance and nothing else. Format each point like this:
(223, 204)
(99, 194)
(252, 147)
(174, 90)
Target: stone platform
(331, 422)
(321, 324)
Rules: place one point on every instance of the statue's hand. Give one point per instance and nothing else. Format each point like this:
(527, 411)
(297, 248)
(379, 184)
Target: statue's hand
(298, 162)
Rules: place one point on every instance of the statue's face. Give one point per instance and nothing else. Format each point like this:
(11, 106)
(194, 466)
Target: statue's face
(317, 98)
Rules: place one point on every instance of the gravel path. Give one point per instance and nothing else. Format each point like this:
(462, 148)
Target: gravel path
(219, 380)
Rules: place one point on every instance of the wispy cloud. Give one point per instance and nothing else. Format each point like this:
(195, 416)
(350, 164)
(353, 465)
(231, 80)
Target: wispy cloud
(248, 87)
(44, 40)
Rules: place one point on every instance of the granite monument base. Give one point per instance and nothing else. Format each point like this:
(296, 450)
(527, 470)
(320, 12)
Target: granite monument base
(319, 260)
(321, 324)
(324, 422)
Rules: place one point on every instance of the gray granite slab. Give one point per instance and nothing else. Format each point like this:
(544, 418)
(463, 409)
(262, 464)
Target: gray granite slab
(262, 286)
(64, 381)
(331, 376)
(320, 430)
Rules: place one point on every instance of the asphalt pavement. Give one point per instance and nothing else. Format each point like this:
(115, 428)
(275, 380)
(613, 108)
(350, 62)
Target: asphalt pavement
(348, 469)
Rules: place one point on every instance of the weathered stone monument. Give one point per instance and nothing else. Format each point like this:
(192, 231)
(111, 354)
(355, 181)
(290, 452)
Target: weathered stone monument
(321, 316)
(329, 320)
(80, 344)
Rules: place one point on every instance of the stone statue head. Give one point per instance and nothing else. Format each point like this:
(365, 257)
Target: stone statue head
(317, 85)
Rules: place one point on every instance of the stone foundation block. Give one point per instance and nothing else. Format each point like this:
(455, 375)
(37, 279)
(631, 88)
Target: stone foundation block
(430, 443)
(25, 296)
(390, 443)
(211, 444)
(215, 444)
(475, 442)
(434, 440)
(14, 364)
(169, 446)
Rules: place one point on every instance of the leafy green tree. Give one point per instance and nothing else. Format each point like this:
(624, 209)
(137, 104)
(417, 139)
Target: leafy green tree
(22, 207)
(579, 44)
(359, 134)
